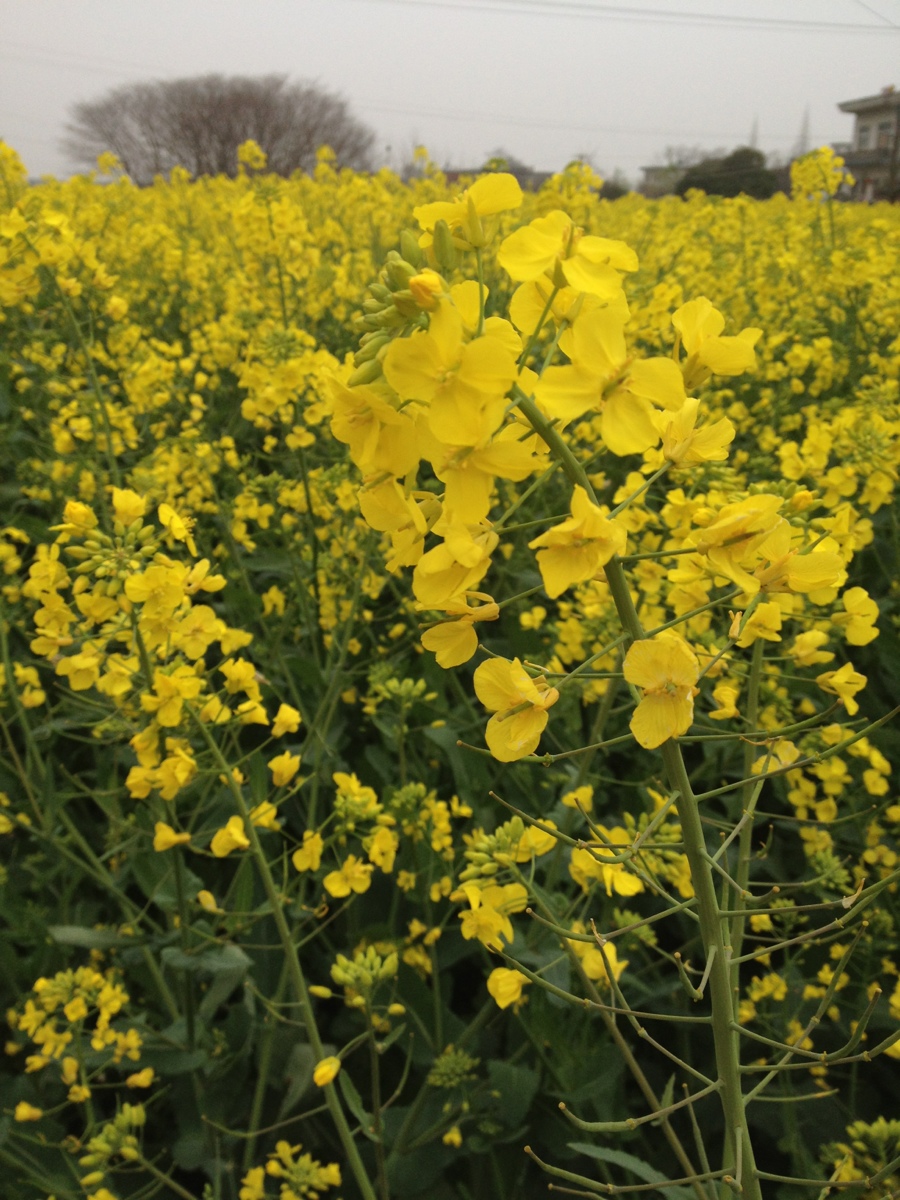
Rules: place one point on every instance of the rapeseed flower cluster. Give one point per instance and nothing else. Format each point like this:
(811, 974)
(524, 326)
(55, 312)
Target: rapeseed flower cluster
(261, 528)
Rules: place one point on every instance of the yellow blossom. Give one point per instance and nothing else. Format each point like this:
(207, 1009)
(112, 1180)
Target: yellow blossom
(353, 876)
(165, 837)
(576, 549)
(284, 767)
(231, 837)
(519, 704)
(287, 720)
(667, 670)
(505, 985)
(845, 683)
(326, 1070)
(309, 855)
(27, 1112)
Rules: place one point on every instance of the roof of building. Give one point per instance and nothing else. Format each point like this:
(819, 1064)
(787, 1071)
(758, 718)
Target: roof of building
(888, 97)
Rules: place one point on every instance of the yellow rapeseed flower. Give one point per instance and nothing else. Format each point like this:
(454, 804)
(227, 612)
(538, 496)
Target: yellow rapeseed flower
(667, 670)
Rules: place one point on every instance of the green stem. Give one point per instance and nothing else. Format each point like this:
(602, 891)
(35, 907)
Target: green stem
(750, 794)
(295, 970)
(377, 1129)
(262, 1079)
(739, 1149)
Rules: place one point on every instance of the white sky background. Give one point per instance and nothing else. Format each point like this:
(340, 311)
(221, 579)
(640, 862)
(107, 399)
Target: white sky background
(545, 80)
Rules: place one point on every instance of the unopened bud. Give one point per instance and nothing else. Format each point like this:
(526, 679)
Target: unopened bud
(410, 249)
(367, 372)
(371, 344)
(399, 273)
(444, 250)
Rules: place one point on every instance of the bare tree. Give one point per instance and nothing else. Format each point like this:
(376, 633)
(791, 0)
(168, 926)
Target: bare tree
(199, 123)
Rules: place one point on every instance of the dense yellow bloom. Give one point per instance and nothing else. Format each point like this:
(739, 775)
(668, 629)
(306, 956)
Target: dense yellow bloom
(170, 690)
(683, 443)
(456, 566)
(462, 382)
(519, 704)
(667, 670)
(381, 437)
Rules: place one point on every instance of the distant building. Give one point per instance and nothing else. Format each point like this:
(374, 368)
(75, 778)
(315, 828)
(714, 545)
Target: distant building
(873, 157)
(528, 179)
(661, 180)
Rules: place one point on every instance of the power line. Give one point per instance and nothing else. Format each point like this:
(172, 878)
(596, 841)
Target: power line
(500, 118)
(875, 13)
(642, 16)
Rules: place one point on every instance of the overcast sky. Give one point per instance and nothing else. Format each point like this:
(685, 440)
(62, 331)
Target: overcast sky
(544, 80)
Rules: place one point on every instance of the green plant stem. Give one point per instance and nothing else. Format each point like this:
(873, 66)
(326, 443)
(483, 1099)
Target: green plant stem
(377, 1126)
(745, 839)
(624, 1050)
(295, 970)
(739, 1149)
(170, 1183)
(184, 928)
(262, 1079)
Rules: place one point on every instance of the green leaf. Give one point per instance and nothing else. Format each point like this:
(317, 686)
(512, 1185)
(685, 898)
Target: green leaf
(298, 1075)
(516, 1086)
(353, 1100)
(666, 1098)
(85, 938)
(636, 1166)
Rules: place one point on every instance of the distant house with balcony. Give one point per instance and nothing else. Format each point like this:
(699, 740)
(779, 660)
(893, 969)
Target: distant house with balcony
(873, 157)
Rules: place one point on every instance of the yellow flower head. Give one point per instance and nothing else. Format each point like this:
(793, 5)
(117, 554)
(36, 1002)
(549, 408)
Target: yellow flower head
(284, 767)
(165, 837)
(667, 670)
(231, 837)
(555, 246)
(489, 195)
(519, 704)
(576, 549)
(326, 1070)
(505, 985)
